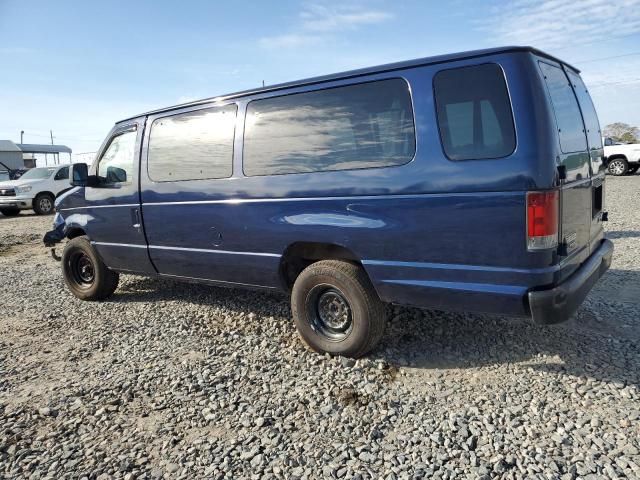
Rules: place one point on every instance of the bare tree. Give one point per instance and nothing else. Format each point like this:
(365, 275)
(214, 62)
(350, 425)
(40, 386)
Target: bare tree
(622, 132)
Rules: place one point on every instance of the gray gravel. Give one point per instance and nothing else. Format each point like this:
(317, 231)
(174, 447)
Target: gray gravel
(169, 380)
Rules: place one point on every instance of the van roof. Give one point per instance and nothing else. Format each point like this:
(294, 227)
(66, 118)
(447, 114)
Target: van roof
(362, 71)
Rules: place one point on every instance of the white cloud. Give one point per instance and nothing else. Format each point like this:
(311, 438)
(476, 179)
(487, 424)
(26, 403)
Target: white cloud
(319, 22)
(289, 40)
(561, 23)
(323, 18)
(16, 51)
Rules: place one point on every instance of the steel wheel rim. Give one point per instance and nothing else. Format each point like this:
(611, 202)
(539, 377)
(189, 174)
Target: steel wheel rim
(330, 313)
(82, 270)
(45, 204)
(616, 167)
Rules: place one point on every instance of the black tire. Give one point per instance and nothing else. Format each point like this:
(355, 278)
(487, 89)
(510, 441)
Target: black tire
(353, 318)
(632, 169)
(10, 212)
(43, 204)
(85, 274)
(618, 166)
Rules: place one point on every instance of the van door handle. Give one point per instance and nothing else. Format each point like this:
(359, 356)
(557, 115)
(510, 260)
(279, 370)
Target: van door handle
(135, 217)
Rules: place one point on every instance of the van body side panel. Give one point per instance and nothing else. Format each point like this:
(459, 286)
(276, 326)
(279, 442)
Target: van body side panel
(428, 264)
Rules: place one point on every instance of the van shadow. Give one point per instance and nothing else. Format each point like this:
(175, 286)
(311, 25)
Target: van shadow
(602, 341)
(23, 213)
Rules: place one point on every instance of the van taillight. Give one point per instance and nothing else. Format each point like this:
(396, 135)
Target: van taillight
(542, 220)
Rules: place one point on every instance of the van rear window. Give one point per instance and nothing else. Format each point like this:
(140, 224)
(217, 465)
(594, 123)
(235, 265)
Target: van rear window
(358, 126)
(474, 113)
(565, 107)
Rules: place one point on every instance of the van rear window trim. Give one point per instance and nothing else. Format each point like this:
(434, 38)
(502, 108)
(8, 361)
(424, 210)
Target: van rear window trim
(513, 119)
(279, 94)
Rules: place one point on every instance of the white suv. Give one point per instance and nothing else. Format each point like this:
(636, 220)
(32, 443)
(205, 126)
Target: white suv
(36, 189)
(621, 159)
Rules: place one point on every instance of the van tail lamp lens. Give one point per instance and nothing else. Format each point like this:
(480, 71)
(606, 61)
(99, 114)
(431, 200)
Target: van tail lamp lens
(542, 220)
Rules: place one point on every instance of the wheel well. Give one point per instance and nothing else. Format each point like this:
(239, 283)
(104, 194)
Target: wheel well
(300, 255)
(46, 193)
(74, 232)
(616, 156)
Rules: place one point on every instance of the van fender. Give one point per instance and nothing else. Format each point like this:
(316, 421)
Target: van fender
(70, 227)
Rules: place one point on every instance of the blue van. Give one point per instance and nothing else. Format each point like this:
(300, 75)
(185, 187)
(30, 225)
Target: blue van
(471, 181)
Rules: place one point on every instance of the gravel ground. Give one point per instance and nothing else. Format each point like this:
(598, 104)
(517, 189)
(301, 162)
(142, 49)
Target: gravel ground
(169, 380)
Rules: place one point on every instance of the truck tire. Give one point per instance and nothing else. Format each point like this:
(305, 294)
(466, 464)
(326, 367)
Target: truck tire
(618, 166)
(85, 274)
(336, 309)
(10, 212)
(43, 204)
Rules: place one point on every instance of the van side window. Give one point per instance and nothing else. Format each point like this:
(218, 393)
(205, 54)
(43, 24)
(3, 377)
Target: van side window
(474, 112)
(116, 164)
(195, 145)
(357, 126)
(565, 106)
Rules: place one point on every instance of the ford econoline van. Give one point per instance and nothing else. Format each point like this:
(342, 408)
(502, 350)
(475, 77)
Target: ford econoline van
(471, 181)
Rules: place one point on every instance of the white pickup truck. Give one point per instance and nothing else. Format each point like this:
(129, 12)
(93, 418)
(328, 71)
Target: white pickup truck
(37, 189)
(621, 159)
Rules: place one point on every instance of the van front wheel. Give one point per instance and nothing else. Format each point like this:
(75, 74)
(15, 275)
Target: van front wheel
(336, 309)
(85, 274)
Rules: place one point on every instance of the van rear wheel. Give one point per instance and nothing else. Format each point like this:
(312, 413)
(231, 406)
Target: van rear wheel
(85, 274)
(618, 167)
(336, 309)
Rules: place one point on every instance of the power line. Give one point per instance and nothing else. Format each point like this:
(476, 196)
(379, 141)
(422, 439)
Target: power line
(607, 58)
(629, 81)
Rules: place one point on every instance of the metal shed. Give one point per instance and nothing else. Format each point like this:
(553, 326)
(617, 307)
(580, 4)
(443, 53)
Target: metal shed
(14, 155)
(54, 150)
(11, 155)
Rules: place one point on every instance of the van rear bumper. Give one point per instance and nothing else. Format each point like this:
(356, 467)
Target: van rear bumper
(558, 303)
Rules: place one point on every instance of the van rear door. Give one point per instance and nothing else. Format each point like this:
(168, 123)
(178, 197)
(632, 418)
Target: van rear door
(573, 155)
(596, 156)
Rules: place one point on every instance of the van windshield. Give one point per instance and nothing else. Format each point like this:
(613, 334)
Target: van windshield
(38, 174)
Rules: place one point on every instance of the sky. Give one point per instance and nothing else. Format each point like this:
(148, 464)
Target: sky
(77, 67)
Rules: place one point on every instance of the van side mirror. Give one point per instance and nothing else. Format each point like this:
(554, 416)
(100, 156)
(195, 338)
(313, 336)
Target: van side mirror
(116, 175)
(79, 174)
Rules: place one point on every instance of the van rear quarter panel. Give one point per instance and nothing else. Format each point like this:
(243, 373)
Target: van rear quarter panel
(433, 233)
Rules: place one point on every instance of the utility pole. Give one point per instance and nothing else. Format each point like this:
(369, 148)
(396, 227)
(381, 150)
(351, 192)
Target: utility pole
(21, 136)
(51, 133)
